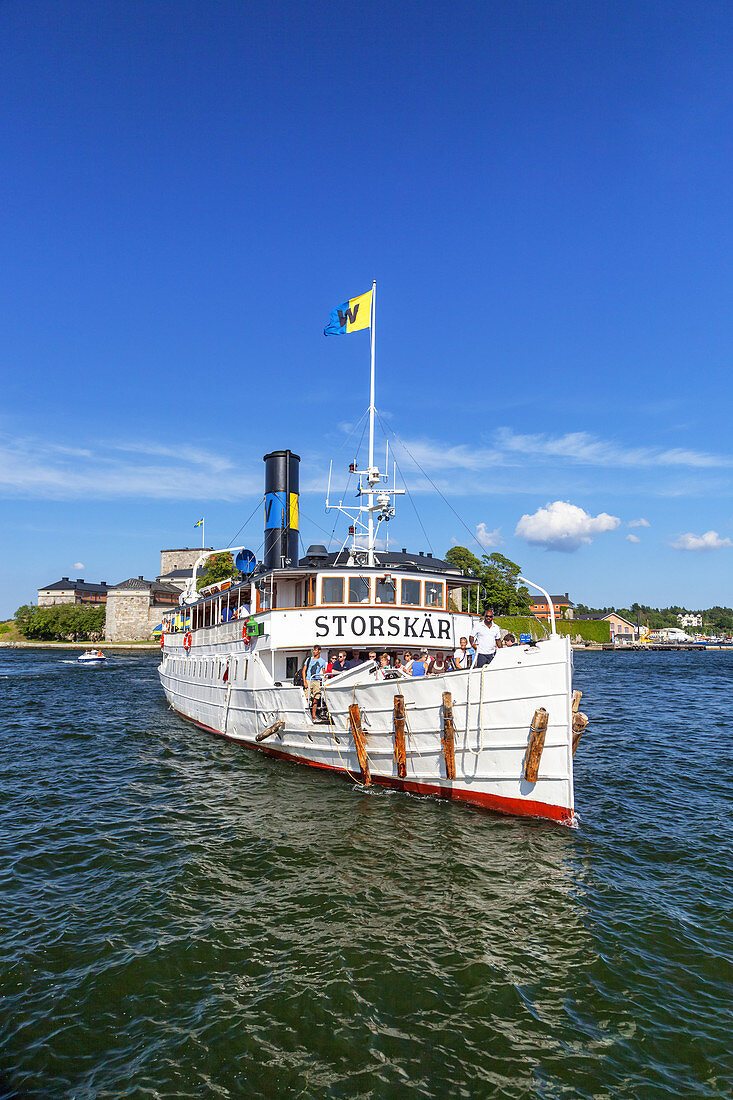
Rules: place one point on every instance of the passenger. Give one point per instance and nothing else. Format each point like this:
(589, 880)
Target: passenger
(407, 663)
(329, 665)
(352, 660)
(438, 665)
(487, 638)
(313, 676)
(384, 672)
(339, 665)
(372, 654)
(419, 666)
(509, 639)
(226, 615)
(461, 657)
(397, 664)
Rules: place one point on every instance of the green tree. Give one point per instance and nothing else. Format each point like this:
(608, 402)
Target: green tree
(498, 577)
(500, 588)
(219, 567)
(62, 622)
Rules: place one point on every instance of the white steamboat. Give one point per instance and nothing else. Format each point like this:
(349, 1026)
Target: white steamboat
(500, 736)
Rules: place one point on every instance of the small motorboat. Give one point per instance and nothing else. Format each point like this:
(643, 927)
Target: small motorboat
(91, 657)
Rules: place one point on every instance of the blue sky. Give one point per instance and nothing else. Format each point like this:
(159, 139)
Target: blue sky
(542, 192)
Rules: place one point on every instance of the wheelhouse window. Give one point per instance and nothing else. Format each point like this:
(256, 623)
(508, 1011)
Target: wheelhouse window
(386, 590)
(310, 591)
(434, 593)
(359, 590)
(332, 590)
(411, 593)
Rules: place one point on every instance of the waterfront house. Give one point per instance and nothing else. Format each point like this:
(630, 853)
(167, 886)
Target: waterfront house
(622, 631)
(562, 605)
(68, 591)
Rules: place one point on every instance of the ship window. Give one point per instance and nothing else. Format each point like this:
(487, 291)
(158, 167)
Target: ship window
(434, 593)
(234, 671)
(358, 590)
(411, 593)
(310, 591)
(386, 590)
(332, 591)
(298, 595)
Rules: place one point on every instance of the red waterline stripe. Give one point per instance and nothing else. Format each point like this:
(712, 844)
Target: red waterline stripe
(517, 807)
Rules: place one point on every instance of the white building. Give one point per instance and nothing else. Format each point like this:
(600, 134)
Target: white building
(689, 619)
(669, 634)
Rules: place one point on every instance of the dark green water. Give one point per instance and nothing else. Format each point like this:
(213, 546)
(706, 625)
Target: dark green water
(181, 917)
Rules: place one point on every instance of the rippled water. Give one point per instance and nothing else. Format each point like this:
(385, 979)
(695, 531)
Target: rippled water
(182, 917)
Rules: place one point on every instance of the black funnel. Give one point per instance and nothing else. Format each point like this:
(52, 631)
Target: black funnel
(282, 489)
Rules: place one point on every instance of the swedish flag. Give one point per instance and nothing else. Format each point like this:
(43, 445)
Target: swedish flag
(350, 316)
(199, 523)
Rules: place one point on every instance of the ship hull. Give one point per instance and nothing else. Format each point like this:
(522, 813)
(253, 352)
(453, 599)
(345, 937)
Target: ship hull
(492, 709)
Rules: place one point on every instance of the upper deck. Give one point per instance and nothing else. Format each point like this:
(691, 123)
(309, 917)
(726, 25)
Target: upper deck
(339, 602)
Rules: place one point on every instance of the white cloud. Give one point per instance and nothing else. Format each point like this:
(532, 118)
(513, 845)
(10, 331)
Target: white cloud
(711, 540)
(487, 538)
(585, 448)
(563, 526)
(79, 565)
(32, 467)
(633, 538)
(638, 523)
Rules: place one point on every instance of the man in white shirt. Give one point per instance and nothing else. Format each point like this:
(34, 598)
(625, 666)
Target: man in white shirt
(487, 639)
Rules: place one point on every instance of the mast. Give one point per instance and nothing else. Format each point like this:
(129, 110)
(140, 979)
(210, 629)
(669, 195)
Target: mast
(372, 475)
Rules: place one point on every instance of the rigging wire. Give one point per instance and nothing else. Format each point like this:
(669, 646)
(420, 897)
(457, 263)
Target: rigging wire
(428, 477)
(412, 502)
(311, 520)
(249, 517)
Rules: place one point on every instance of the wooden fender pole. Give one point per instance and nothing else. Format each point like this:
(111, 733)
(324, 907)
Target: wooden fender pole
(448, 738)
(400, 754)
(355, 723)
(537, 732)
(577, 696)
(274, 728)
(580, 721)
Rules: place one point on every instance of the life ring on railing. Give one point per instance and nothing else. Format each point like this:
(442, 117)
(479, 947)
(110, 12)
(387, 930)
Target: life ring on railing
(245, 636)
(162, 640)
(187, 641)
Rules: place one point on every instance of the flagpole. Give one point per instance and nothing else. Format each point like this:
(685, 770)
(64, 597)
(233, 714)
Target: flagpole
(372, 410)
(203, 533)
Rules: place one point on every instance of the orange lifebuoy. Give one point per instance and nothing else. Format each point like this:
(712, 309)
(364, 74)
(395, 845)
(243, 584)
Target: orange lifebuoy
(187, 641)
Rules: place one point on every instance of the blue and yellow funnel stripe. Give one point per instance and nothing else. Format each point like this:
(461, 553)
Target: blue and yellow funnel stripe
(350, 316)
(279, 512)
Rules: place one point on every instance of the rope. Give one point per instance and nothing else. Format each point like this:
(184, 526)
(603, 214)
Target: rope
(356, 779)
(480, 725)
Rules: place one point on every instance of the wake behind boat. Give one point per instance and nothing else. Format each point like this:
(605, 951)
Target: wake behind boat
(498, 736)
